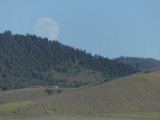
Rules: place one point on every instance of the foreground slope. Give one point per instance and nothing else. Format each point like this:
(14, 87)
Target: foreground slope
(135, 93)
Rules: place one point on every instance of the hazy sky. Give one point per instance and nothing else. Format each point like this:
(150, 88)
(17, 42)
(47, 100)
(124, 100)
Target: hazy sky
(110, 28)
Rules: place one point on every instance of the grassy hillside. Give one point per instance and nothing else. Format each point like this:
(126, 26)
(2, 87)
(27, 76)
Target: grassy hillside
(135, 93)
(133, 97)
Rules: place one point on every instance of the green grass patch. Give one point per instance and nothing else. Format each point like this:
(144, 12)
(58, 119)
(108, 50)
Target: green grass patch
(65, 117)
(108, 116)
(12, 106)
(139, 115)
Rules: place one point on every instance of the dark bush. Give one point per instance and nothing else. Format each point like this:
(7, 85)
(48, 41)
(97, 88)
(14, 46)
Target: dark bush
(49, 91)
(59, 90)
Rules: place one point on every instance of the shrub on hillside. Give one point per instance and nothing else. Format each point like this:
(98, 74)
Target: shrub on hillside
(49, 91)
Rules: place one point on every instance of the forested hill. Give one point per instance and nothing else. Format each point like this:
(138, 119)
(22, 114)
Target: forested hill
(30, 60)
(145, 63)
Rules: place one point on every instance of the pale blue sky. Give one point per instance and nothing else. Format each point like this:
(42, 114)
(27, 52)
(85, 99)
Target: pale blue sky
(110, 28)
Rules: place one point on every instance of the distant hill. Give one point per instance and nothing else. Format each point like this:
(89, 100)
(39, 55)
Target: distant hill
(145, 63)
(28, 60)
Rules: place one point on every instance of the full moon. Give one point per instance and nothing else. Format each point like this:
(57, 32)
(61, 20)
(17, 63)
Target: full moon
(46, 28)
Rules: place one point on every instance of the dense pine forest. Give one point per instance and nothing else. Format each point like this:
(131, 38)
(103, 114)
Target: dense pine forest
(145, 63)
(28, 60)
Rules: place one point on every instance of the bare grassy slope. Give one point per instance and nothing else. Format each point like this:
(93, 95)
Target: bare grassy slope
(21, 95)
(136, 93)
